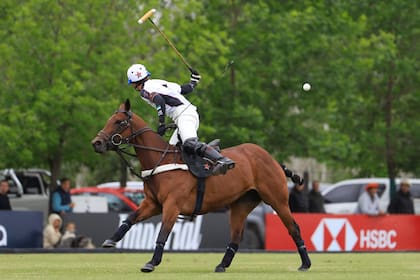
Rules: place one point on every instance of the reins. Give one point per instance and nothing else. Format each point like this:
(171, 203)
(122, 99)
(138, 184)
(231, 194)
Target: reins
(117, 140)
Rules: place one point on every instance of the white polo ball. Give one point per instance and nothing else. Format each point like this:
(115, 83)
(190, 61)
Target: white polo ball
(306, 86)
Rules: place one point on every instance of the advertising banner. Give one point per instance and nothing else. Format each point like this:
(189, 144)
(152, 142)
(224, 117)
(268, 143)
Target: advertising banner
(21, 229)
(335, 233)
(205, 232)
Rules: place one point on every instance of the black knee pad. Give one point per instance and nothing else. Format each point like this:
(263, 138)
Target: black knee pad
(193, 146)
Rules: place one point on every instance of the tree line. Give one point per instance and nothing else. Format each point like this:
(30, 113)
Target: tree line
(64, 63)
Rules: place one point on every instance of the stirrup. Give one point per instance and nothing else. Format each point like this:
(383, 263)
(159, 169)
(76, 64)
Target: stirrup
(222, 166)
(228, 163)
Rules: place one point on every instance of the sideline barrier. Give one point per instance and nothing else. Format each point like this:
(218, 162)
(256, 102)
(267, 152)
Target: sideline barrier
(205, 232)
(21, 229)
(335, 233)
(24, 229)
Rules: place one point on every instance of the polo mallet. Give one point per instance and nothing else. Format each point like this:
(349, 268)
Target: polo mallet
(147, 16)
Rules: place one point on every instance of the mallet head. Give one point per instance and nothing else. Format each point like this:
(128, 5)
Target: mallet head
(146, 16)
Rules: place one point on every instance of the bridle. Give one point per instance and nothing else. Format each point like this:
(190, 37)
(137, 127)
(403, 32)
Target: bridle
(115, 140)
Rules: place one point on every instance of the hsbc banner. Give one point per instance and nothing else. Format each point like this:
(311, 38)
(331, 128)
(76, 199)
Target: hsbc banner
(335, 233)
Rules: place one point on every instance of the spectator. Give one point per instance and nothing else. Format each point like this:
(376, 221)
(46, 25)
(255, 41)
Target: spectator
(298, 199)
(402, 202)
(316, 200)
(71, 240)
(69, 235)
(83, 242)
(369, 201)
(52, 234)
(4, 199)
(61, 198)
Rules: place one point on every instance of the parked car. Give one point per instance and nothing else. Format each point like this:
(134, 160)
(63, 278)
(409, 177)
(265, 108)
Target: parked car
(119, 200)
(28, 189)
(135, 185)
(342, 197)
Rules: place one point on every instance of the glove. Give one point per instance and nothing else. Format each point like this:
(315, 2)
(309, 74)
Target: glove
(161, 129)
(287, 171)
(297, 180)
(195, 77)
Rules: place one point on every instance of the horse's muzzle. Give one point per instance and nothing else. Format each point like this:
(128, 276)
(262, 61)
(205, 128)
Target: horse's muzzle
(99, 145)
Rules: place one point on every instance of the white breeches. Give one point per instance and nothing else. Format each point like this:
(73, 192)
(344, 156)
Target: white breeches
(188, 122)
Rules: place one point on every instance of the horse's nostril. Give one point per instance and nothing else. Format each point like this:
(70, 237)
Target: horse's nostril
(98, 146)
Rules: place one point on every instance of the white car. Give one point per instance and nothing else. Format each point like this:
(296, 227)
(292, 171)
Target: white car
(133, 185)
(342, 197)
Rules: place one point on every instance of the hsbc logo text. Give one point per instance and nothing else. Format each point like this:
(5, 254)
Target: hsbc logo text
(334, 234)
(337, 234)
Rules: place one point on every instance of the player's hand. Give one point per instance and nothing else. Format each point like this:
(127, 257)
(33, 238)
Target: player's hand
(195, 77)
(161, 129)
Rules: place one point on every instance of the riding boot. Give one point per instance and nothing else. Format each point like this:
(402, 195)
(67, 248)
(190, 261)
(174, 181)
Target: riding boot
(223, 164)
(215, 144)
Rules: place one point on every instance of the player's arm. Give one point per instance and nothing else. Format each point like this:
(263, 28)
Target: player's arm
(194, 80)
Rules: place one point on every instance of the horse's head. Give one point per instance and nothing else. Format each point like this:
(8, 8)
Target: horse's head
(115, 131)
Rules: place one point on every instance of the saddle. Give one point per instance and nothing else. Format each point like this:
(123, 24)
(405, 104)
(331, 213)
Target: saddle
(201, 168)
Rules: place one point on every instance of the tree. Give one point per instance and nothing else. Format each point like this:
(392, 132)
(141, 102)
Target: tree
(63, 62)
(64, 65)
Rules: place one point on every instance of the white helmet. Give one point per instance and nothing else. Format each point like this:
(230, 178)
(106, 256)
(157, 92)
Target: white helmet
(137, 72)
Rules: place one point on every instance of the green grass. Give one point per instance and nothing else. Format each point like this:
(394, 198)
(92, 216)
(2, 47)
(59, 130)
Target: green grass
(181, 266)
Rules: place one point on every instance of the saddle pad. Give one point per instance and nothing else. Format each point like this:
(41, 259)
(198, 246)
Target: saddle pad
(198, 166)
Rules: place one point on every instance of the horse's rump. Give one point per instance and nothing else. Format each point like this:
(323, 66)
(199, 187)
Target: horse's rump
(255, 170)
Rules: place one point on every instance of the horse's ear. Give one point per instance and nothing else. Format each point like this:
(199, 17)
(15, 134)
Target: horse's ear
(127, 105)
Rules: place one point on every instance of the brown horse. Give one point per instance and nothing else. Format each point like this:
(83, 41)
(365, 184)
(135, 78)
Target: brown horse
(257, 176)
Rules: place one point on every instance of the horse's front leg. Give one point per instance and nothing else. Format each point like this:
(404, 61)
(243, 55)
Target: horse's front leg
(146, 210)
(169, 218)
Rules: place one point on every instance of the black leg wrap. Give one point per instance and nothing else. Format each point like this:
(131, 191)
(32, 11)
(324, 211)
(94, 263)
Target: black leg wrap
(122, 230)
(300, 244)
(157, 255)
(306, 261)
(231, 250)
(156, 259)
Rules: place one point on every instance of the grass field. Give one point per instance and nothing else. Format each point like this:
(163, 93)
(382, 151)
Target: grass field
(181, 266)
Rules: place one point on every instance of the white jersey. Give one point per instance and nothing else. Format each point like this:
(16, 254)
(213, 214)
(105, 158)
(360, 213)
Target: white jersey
(176, 103)
(177, 107)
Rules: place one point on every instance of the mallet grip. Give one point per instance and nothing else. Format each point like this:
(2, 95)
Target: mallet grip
(146, 16)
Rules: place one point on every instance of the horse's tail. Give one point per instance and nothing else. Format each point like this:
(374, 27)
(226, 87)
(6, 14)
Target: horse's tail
(295, 178)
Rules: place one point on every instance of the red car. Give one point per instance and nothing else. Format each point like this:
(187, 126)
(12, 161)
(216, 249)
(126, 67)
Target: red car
(119, 199)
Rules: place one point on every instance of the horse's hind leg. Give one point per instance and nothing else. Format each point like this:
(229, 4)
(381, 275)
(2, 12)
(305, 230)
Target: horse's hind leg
(238, 213)
(294, 231)
(147, 209)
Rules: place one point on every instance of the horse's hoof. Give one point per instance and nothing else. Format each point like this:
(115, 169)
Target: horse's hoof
(148, 267)
(109, 244)
(303, 268)
(220, 268)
